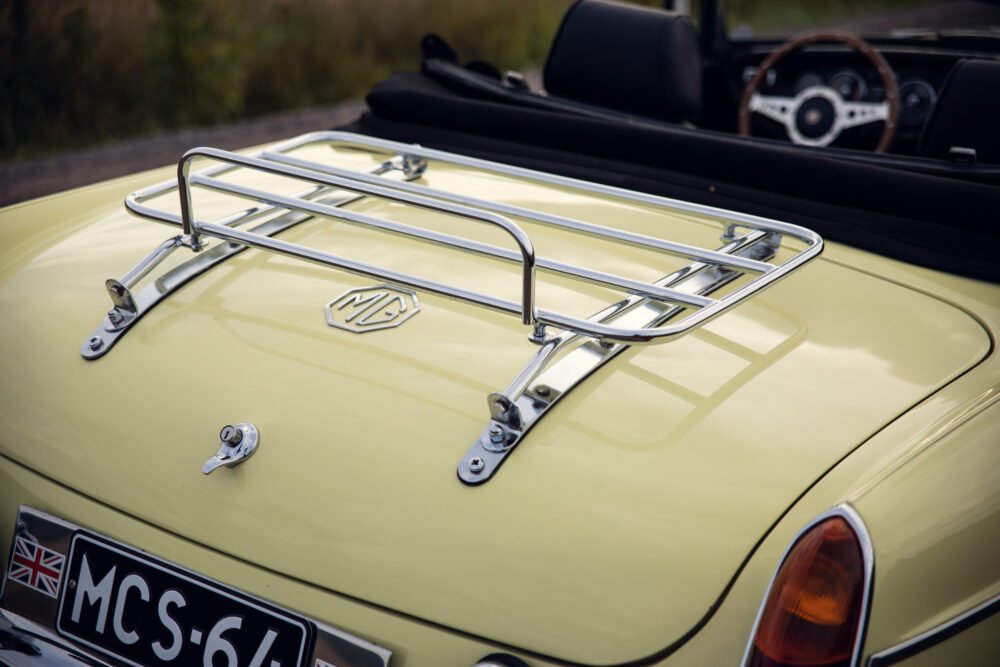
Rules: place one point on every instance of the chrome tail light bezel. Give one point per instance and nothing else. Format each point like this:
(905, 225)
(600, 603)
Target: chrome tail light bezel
(854, 520)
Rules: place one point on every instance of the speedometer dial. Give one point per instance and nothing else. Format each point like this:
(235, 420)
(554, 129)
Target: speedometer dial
(916, 97)
(807, 80)
(850, 85)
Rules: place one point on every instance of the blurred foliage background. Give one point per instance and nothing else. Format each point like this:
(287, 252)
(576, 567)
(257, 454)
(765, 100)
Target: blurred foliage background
(785, 17)
(82, 72)
(77, 73)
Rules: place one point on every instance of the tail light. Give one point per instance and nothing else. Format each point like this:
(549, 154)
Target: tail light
(815, 608)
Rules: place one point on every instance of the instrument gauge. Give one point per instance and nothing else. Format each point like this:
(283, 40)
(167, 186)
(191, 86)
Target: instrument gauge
(807, 80)
(849, 85)
(916, 97)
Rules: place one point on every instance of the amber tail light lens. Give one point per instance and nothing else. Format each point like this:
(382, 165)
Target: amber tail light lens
(813, 609)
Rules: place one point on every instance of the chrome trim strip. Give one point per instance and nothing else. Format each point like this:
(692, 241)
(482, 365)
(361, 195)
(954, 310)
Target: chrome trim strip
(47, 648)
(936, 635)
(849, 514)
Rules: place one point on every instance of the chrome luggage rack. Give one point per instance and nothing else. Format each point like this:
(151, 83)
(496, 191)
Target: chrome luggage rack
(563, 359)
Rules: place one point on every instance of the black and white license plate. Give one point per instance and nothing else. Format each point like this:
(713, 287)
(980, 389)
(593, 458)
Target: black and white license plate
(144, 611)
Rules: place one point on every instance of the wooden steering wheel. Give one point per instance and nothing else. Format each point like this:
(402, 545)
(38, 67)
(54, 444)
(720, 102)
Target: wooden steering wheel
(817, 115)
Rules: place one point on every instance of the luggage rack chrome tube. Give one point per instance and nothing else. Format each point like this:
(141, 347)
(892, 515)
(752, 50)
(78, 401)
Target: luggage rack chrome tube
(193, 229)
(412, 160)
(692, 252)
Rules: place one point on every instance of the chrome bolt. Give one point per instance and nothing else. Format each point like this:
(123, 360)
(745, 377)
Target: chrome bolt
(538, 334)
(115, 317)
(496, 433)
(543, 390)
(413, 166)
(476, 465)
(95, 343)
(231, 435)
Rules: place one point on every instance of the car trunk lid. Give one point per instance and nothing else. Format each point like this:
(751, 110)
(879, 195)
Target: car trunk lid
(610, 531)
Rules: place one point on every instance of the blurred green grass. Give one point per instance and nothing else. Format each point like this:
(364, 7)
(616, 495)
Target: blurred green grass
(83, 72)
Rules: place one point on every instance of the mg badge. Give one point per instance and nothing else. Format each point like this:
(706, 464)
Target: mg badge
(372, 308)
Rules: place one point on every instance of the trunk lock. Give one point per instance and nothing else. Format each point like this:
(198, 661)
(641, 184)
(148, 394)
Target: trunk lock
(238, 443)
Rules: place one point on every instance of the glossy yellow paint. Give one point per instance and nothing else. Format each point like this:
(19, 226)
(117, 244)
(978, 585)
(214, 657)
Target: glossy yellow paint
(608, 534)
(934, 536)
(902, 448)
(938, 550)
(974, 647)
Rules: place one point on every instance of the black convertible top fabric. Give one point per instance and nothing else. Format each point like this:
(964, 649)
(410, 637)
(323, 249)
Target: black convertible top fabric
(937, 222)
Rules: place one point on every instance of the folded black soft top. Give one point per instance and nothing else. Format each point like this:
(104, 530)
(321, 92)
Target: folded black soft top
(934, 221)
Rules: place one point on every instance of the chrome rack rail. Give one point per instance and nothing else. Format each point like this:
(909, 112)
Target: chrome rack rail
(562, 361)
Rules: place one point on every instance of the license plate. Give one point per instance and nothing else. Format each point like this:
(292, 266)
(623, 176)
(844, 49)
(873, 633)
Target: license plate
(144, 611)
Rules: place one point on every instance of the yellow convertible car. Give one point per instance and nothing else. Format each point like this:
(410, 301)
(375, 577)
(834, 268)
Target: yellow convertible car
(501, 378)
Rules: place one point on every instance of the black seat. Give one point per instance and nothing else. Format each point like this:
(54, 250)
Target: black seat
(609, 60)
(633, 59)
(966, 114)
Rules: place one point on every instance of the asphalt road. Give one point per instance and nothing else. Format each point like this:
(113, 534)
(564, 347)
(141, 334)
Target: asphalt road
(20, 181)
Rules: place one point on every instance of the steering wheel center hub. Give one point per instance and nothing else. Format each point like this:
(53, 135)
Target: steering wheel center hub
(815, 117)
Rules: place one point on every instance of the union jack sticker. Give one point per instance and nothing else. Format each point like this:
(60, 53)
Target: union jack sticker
(36, 567)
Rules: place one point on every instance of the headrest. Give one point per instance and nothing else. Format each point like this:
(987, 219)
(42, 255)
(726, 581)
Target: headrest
(630, 58)
(966, 113)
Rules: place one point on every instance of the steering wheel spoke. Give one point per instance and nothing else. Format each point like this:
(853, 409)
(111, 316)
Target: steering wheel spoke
(776, 108)
(853, 114)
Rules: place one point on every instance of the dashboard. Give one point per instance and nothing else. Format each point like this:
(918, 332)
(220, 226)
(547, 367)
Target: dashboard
(918, 76)
(917, 95)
